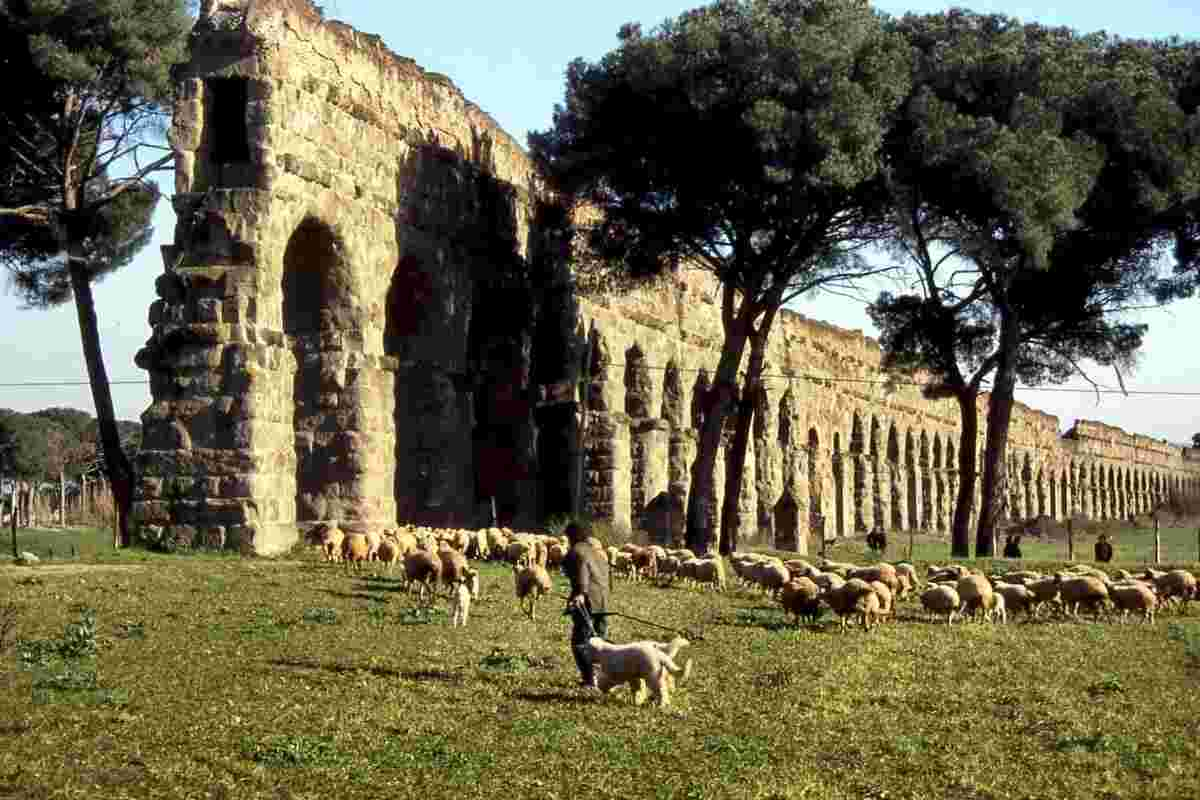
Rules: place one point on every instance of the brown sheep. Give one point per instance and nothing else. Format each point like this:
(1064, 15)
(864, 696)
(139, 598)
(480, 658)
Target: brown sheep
(1178, 583)
(531, 582)
(356, 549)
(1134, 596)
(1017, 597)
(886, 599)
(884, 573)
(645, 563)
(1081, 590)
(389, 552)
(941, 599)
(423, 568)
(854, 597)
(800, 597)
(976, 594)
(330, 538)
(454, 568)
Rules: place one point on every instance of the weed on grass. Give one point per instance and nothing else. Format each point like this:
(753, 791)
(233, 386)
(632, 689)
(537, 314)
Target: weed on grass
(293, 751)
(1189, 635)
(320, 616)
(422, 615)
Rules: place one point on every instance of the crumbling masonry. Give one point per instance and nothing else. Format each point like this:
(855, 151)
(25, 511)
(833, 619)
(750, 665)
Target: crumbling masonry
(362, 319)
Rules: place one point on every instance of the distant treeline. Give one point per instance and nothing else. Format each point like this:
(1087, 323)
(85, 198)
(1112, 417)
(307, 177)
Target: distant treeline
(42, 444)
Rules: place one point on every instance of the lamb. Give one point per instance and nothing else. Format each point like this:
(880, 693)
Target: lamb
(906, 570)
(1134, 596)
(635, 664)
(389, 552)
(460, 604)
(531, 582)
(374, 539)
(941, 599)
(995, 608)
(1081, 590)
(800, 597)
(645, 563)
(668, 569)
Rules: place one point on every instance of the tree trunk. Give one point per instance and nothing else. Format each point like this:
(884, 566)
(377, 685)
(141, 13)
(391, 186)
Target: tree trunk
(736, 463)
(1000, 404)
(116, 464)
(717, 405)
(968, 438)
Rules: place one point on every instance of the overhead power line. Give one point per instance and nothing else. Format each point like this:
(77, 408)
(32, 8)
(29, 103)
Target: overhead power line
(778, 376)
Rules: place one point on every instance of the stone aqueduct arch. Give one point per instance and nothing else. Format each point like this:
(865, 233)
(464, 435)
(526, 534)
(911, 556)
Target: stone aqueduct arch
(349, 330)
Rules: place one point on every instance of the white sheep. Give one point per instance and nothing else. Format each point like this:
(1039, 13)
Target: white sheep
(531, 582)
(1134, 596)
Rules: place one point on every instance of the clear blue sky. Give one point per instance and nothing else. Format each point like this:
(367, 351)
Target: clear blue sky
(510, 59)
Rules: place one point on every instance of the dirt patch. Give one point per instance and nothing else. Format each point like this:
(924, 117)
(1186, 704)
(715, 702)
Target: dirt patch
(67, 569)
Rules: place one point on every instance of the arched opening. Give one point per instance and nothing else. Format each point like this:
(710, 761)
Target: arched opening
(876, 494)
(319, 309)
(859, 474)
(939, 485)
(816, 517)
(787, 523)
(699, 396)
(926, 484)
(910, 464)
(784, 432)
(893, 459)
(839, 487)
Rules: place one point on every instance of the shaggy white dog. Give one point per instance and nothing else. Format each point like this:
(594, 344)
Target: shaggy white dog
(641, 665)
(460, 604)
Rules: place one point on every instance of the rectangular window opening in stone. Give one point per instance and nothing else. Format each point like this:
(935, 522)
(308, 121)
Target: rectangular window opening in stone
(226, 120)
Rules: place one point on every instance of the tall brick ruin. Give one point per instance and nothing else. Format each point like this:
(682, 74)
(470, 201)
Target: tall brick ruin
(362, 319)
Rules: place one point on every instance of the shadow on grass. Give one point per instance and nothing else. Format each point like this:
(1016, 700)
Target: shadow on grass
(355, 595)
(558, 697)
(335, 667)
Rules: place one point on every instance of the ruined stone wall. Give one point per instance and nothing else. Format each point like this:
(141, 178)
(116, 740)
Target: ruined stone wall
(351, 329)
(340, 211)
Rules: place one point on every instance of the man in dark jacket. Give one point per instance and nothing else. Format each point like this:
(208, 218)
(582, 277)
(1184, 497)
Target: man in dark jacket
(587, 569)
(1104, 549)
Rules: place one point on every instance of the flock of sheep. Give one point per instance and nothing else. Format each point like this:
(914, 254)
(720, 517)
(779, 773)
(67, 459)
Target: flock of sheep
(869, 594)
(434, 558)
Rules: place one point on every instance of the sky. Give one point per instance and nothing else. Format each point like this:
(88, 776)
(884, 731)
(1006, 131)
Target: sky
(510, 59)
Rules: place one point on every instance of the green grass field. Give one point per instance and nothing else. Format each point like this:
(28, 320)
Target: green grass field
(232, 678)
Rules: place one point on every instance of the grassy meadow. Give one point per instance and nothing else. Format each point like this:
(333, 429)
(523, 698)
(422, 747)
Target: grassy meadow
(220, 677)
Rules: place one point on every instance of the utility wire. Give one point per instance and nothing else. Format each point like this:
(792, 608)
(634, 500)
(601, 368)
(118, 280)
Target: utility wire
(778, 376)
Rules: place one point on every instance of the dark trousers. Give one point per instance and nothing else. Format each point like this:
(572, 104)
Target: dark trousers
(583, 627)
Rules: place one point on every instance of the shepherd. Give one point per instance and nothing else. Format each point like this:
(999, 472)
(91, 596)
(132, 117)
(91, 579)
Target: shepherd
(587, 569)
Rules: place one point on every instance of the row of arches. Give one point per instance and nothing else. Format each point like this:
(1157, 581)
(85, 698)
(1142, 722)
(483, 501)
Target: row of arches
(838, 479)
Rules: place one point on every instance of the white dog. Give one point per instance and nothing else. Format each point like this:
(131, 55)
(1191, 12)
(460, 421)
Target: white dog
(642, 665)
(460, 604)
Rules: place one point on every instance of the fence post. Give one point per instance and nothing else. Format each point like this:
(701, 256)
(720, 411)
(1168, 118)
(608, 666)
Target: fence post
(911, 534)
(1070, 540)
(1157, 544)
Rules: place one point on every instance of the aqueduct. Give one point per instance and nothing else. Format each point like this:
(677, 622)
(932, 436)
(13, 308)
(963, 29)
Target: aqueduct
(363, 318)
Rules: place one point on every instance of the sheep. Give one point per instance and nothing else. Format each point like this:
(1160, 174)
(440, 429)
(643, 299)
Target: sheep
(855, 597)
(799, 568)
(1045, 590)
(886, 602)
(884, 573)
(623, 565)
(800, 597)
(460, 604)
(668, 569)
(423, 568)
(356, 549)
(903, 568)
(770, 575)
(1081, 590)
(374, 539)
(454, 567)
(531, 582)
(519, 551)
(710, 572)
(329, 538)
(828, 580)
(941, 599)
(388, 553)
(1016, 597)
(976, 594)
(1176, 583)
(556, 553)
(1134, 596)
(995, 607)
(645, 563)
